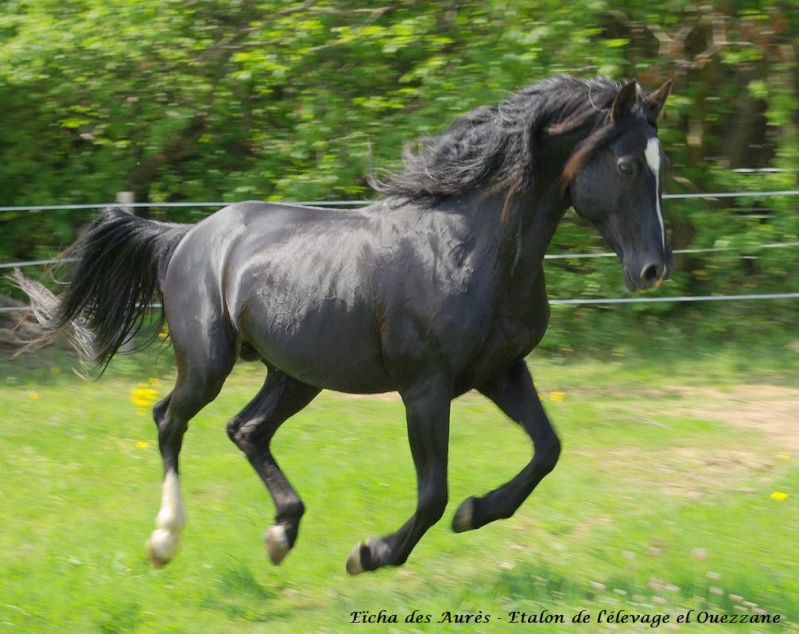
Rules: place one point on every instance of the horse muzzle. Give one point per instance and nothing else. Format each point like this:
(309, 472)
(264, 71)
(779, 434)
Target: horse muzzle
(647, 275)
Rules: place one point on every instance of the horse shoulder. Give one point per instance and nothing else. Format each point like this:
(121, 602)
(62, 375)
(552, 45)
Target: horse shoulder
(517, 327)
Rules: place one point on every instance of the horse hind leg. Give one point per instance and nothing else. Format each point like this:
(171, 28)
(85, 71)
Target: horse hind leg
(252, 430)
(198, 384)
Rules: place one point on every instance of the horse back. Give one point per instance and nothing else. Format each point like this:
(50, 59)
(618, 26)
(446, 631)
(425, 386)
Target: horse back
(288, 284)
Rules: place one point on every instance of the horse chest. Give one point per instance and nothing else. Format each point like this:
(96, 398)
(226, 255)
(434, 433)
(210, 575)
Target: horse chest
(511, 338)
(518, 324)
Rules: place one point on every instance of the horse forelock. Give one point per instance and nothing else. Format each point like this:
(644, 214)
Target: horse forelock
(602, 135)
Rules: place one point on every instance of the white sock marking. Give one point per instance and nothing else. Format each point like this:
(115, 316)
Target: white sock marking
(171, 516)
(652, 154)
(164, 541)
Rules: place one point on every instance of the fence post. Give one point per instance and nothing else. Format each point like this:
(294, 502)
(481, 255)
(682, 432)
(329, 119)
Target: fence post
(125, 201)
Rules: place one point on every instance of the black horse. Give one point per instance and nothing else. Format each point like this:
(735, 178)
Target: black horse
(434, 290)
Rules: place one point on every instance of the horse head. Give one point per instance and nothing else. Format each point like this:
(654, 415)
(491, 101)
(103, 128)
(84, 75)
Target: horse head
(615, 182)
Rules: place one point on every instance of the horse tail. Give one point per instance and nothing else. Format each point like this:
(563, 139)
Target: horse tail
(119, 265)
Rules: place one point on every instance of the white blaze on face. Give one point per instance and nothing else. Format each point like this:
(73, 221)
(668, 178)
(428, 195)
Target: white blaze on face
(652, 154)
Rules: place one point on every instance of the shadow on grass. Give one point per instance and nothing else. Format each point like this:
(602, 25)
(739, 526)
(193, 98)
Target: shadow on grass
(239, 595)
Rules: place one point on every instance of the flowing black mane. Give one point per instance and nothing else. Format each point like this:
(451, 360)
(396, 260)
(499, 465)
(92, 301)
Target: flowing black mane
(495, 147)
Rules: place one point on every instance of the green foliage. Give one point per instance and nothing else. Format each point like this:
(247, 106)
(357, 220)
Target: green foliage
(220, 100)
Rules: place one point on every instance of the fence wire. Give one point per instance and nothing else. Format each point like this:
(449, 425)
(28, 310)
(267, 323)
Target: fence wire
(548, 256)
(360, 203)
(554, 256)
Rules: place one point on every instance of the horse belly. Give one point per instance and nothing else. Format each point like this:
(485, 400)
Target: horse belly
(326, 343)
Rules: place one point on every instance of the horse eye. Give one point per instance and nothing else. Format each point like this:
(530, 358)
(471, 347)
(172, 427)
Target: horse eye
(626, 167)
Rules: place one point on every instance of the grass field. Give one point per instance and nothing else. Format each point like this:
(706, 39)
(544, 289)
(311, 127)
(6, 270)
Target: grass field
(678, 490)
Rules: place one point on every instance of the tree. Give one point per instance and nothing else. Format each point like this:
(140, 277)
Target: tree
(221, 100)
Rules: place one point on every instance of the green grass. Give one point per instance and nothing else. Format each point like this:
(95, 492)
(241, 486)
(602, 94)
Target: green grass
(654, 508)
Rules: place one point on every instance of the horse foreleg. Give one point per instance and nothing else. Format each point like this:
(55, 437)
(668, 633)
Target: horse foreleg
(515, 394)
(252, 430)
(427, 412)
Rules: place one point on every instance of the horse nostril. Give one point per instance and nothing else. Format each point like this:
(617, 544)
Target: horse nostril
(651, 273)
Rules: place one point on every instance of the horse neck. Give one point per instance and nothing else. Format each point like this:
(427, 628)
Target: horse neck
(536, 213)
(517, 240)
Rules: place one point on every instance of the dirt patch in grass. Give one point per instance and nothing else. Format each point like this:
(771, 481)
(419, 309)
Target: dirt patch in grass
(687, 472)
(695, 472)
(771, 410)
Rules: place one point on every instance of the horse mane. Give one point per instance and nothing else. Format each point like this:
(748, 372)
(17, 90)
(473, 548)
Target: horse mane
(494, 148)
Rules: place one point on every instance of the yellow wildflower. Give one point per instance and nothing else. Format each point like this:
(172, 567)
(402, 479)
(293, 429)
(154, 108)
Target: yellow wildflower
(557, 396)
(142, 444)
(34, 395)
(144, 396)
(779, 496)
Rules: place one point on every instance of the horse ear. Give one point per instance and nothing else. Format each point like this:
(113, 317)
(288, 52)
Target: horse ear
(625, 101)
(656, 100)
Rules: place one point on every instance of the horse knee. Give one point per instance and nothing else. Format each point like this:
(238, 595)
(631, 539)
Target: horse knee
(234, 427)
(243, 432)
(433, 502)
(547, 453)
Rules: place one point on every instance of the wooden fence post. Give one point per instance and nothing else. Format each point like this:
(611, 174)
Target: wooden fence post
(125, 201)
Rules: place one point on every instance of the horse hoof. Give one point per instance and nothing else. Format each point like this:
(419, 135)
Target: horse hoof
(462, 521)
(370, 555)
(277, 544)
(161, 548)
(354, 564)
